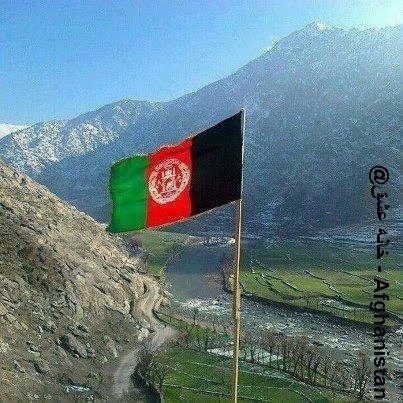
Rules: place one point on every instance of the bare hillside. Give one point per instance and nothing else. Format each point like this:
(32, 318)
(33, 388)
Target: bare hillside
(68, 297)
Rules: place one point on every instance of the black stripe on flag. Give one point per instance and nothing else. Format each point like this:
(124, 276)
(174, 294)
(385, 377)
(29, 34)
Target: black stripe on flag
(217, 165)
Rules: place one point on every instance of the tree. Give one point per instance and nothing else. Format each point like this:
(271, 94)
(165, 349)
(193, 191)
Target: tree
(336, 375)
(362, 372)
(195, 313)
(326, 369)
(270, 340)
(286, 343)
(278, 355)
(317, 358)
(251, 343)
(298, 349)
(154, 367)
(159, 370)
(293, 354)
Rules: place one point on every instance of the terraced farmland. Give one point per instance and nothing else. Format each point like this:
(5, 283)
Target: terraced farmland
(200, 377)
(315, 277)
(200, 370)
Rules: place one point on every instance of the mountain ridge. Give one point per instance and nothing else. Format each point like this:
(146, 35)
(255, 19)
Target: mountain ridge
(315, 85)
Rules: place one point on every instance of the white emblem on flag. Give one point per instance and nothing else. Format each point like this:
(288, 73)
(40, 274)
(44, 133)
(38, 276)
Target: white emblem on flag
(168, 180)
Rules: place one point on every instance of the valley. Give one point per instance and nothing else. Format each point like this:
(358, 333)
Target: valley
(168, 291)
(199, 299)
(85, 315)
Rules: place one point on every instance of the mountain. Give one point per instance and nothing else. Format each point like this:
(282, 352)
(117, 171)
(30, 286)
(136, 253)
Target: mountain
(6, 128)
(322, 108)
(68, 294)
(43, 144)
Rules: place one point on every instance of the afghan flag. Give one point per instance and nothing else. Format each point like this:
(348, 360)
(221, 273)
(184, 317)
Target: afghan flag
(178, 181)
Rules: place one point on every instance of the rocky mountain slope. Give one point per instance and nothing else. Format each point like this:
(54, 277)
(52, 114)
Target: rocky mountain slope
(49, 142)
(322, 107)
(68, 297)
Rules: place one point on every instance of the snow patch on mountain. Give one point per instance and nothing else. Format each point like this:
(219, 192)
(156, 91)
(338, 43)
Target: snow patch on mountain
(320, 26)
(40, 145)
(7, 128)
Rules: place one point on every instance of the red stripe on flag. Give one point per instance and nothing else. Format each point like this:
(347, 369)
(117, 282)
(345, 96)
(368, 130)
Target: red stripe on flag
(168, 181)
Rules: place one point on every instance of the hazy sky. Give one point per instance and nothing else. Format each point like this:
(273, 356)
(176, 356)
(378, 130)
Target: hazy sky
(61, 58)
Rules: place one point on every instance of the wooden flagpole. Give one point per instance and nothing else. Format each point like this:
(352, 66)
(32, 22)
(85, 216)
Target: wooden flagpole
(236, 289)
(236, 303)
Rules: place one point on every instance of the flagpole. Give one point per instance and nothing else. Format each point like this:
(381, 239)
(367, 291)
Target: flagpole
(236, 303)
(236, 289)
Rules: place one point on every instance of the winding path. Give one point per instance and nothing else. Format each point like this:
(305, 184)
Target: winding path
(122, 384)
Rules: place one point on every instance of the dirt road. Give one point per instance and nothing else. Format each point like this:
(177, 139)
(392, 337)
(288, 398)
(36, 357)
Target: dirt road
(122, 384)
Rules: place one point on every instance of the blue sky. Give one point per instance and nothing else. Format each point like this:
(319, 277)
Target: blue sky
(61, 58)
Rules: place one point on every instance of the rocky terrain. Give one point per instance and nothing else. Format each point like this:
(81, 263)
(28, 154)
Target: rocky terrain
(49, 142)
(69, 297)
(322, 108)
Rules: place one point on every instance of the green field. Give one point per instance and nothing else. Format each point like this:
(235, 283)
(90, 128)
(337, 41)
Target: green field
(199, 377)
(332, 278)
(161, 246)
(319, 276)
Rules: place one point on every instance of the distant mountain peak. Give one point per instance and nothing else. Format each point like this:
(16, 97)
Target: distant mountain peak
(314, 28)
(317, 25)
(311, 31)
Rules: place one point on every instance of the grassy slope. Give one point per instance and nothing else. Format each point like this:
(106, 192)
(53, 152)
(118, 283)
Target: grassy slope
(161, 246)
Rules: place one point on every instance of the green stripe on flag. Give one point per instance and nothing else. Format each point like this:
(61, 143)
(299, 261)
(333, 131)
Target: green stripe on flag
(128, 189)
